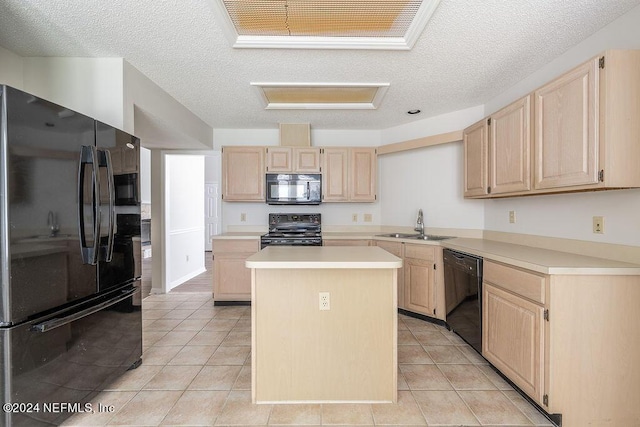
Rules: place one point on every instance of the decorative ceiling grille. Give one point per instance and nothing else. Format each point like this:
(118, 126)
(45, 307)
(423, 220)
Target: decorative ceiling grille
(326, 18)
(335, 24)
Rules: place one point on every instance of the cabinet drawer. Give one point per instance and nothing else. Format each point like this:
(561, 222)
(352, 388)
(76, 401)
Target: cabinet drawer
(526, 284)
(420, 251)
(236, 245)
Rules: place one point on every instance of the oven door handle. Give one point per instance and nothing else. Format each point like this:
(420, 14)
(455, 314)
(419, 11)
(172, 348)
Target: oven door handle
(58, 322)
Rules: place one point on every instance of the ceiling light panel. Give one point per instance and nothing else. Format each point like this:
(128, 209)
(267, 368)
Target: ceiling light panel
(359, 24)
(352, 96)
(368, 18)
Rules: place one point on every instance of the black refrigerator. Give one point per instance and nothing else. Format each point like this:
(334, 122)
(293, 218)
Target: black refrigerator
(70, 319)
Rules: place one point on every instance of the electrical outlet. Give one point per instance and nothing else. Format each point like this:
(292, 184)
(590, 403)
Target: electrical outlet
(368, 217)
(598, 224)
(512, 217)
(187, 258)
(243, 217)
(354, 217)
(325, 301)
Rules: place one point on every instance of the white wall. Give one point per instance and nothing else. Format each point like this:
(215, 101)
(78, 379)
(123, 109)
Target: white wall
(184, 219)
(142, 93)
(570, 215)
(11, 69)
(428, 178)
(431, 179)
(145, 175)
(91, 86)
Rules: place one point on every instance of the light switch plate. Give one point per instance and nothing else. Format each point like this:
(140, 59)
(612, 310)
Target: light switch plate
(512, 217)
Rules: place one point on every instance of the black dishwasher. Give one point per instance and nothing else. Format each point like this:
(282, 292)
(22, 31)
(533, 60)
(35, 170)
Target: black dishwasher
(463, 295)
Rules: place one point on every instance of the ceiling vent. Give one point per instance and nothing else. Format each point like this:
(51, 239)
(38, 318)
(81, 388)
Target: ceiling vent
(325, 24)
(321, 96)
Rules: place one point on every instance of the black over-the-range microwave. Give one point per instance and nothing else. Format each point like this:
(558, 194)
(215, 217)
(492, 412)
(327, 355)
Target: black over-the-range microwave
(294, 189)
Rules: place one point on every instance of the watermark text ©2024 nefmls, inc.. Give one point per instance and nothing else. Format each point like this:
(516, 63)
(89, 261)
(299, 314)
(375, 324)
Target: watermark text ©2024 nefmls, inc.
(56, 407)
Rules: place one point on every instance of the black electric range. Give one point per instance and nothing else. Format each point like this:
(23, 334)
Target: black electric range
(293, 230)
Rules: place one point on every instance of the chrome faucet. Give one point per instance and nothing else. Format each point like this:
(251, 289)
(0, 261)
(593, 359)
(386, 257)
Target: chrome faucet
(420, 223)
(52, 222)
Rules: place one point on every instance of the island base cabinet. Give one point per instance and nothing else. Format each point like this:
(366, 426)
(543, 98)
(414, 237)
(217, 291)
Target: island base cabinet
(303, 354)
(513, 338)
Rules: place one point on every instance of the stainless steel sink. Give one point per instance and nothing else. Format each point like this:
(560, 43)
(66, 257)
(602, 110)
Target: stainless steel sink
(399, 235)
(430, 237)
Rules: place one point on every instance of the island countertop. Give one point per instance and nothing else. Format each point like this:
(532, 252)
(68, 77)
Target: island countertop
(323, 257)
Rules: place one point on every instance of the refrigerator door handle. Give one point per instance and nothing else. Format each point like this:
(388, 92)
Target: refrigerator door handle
(89, 154)
(57, 322)
(112, 205)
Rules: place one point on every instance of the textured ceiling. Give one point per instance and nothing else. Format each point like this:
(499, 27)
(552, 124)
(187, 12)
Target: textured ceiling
(469, 52)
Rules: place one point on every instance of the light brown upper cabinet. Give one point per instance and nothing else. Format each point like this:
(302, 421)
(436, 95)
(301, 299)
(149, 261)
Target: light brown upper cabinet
(293, 159)
(566, 142)
(243, 172)
(496, 152)
(476, 159)
(585, 132)
(362, 174)
(586, 125)
(335, 174)
(509, 147)
(349, 174)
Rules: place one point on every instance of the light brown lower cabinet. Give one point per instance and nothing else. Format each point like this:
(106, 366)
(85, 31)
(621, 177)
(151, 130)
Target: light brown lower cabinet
(514, 338)
(231, 279)
(570, 342)
(421, 279)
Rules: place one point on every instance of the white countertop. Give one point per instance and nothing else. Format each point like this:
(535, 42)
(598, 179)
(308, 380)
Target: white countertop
(323, 257)
(541, 260)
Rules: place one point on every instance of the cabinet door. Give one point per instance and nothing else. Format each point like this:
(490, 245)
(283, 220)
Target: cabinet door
(566, 140)
(476, 160)
(513, 338)
(362, 174)
(419, 277)
(243, 172)
(509, 145)
(395, 248)
(335, 180)
(306, 160)
(231, 278)
(279, 159)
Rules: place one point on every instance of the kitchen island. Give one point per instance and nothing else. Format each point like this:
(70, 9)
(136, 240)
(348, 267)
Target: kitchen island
(324, 324)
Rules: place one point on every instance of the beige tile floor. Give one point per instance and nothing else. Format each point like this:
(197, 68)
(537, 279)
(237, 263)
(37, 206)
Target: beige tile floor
(196, 371)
